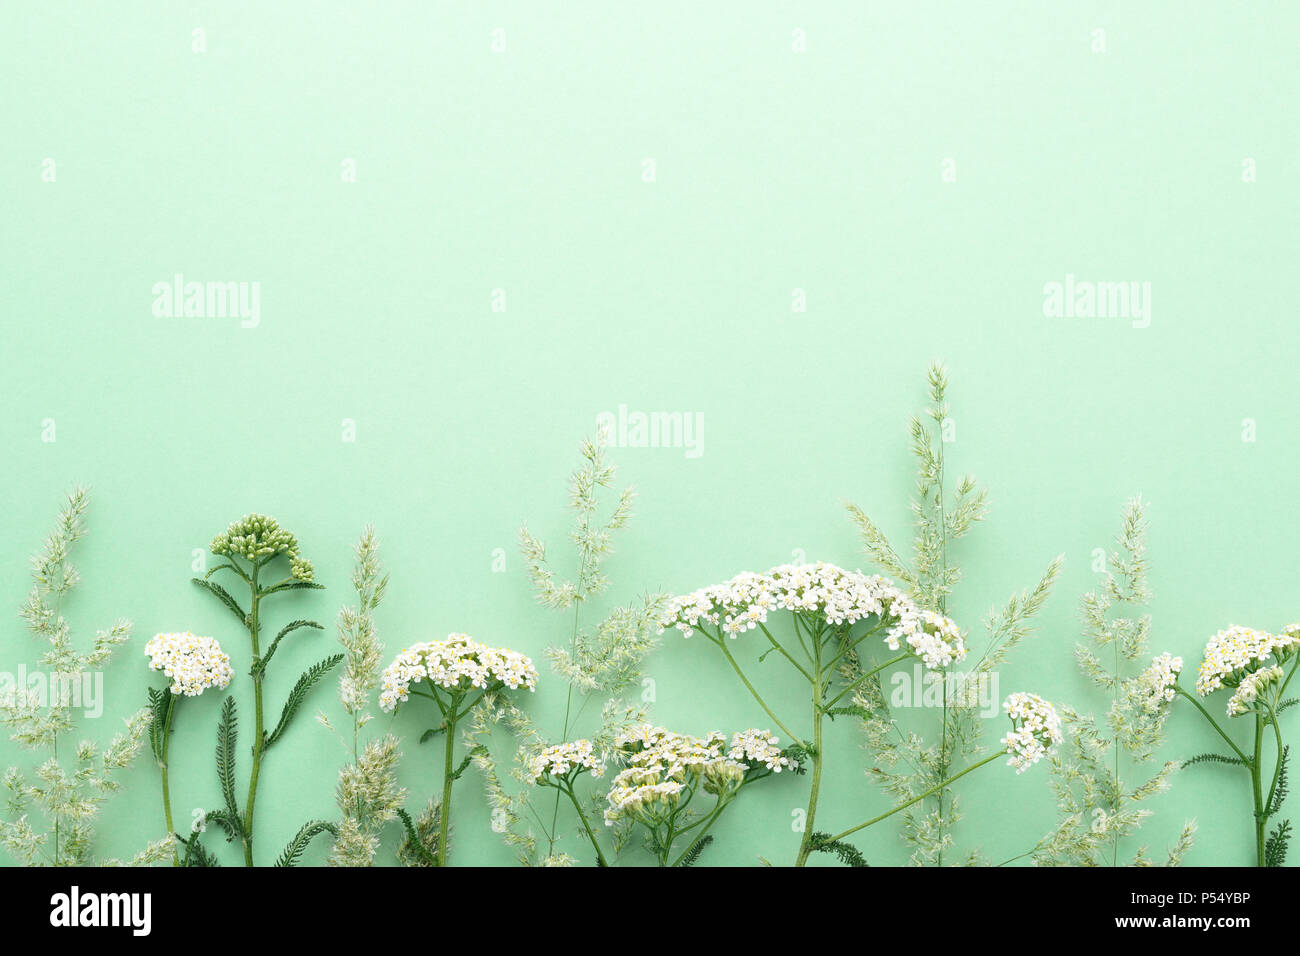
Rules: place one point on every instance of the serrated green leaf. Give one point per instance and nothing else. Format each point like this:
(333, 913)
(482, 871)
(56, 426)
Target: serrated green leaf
(227, 735)
(302, 839)
(286, 630)
(224, 596)
(1212, 758)
(293, 586)
(160, 701)
(299, 693)
(1276, 846)
(413, 839)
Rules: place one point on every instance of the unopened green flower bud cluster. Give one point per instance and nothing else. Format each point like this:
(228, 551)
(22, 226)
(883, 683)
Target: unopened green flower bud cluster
(259, 538)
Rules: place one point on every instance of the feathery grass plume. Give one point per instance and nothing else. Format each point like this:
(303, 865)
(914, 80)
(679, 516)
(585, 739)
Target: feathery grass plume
(905, 764)
(51, 819)
(252, 546)
(598, 662)
(367, 791)
(1099, 807)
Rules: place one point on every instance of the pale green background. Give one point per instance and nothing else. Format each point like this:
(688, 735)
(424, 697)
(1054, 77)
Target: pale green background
(522, 171)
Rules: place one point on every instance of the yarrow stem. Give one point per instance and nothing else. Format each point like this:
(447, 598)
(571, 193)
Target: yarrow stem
(166, 789)
(259, 733)
(664, 773)
(595, 844)
(453, 668)
(825, 602)
(726, 652)
(1245, 761)
(449, 755)
(818, 760)
(1249, 662)
(865, 677)
(1035, 732)
(193, 664)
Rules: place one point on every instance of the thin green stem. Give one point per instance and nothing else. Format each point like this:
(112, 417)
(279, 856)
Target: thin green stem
(1257, 788)
(805, 843)
(858, 680)
(1119, 790)
(1213, 723)
(1277, 767)
(784, 653)
(848, 645)
(600, 856)
(568, 706)
(798, 633)
(943, 609)
(444, 815)
(919, 797)
(166, 789)
(259, 735)
(721, 642)
(708, 822)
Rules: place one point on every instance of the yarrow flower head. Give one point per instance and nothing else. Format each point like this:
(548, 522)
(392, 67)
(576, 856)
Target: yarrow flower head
(841, 597)
(259, 538)
(1250, 687)
(1234, 655)
(193, 663)
(756, 747)
(459, 663)
(1156, 683)
(662, 765)
(559, 760)
(1035, 730)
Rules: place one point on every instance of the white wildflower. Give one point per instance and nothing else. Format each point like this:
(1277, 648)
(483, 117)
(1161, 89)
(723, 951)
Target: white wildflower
(1250, 687)
(1158, 680)
(759, 747)
(662, 765)
(560, 759)
(841, 597)
(1035, 730)
(1231, 656)
(193, 663)
(458, 663)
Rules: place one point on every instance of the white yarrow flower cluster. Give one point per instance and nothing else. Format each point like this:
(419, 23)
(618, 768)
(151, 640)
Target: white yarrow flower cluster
(193, 663)
(1158, 680)
(1231, 656)
(756, 746)
(458, 663)
(1036, 730)
(662, 765)
(840, 596)
(1249, 688)
(559, 759)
